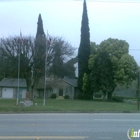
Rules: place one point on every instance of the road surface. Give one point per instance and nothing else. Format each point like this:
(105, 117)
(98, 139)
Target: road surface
(68, 126)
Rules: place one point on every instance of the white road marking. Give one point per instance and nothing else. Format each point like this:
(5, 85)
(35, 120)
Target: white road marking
(36, 125)
(105, 138)
(117, 120)
(43, 137)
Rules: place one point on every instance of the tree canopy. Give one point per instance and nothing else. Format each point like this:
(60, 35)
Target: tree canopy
(110, 65)
(9, 51)
(84, 48)
(40, 30)
(60, 61)
(39, 52)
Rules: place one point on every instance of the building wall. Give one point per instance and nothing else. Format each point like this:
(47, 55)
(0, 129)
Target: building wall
(67, 89)
(22, 92)
(7, 92)
(15, 93)
(62, 86)
(0, 92)
(76, 93)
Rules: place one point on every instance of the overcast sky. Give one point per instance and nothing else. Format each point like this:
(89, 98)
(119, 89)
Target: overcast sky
(107, 18)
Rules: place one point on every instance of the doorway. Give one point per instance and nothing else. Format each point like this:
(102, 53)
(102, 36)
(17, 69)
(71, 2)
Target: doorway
(60, 92)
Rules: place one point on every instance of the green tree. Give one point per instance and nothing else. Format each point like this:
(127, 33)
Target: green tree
(118, 51)
(69, 69)
(101, 76)
(111, 65)
(127, 70)
(87, 87)
(84, 48)
(59, 53)
(9, 54)
(57, 63)
(93, 48)
(39, 52)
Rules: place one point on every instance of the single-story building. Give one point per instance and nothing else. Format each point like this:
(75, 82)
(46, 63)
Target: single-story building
(60, 87)
(9, 88)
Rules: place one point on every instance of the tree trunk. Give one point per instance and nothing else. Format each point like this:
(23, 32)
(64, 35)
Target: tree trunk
(104, 95)
(29, 88)
(32, 93)
(109, 95)
(88, 96)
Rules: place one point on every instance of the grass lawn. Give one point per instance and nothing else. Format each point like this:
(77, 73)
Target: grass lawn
(58, 105)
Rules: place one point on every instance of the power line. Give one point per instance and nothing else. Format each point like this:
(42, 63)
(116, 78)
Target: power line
(114, 1)
(134, 49)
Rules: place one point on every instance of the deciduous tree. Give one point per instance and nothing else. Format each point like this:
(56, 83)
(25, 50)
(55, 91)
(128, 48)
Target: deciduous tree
(59, 59)
(10, 48)
(111, 65)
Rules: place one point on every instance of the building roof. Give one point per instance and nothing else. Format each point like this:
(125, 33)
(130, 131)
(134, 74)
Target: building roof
(40, 84)
(12, 82)
(55, 82)
(72, 82)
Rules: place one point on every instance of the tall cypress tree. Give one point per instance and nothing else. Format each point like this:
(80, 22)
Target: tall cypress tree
(40, 30)
(40, 50)
(84, 48)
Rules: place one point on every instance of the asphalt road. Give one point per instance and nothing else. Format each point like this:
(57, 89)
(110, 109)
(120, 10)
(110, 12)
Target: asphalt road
(68, 126)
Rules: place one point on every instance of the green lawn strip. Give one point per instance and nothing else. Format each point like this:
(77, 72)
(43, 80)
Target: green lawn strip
(55, 105)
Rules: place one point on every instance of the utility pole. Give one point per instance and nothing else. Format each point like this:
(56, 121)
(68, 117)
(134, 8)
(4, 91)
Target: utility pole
(48, 44)
(138, 90)
(19, 46)
(44, 100)
(18, 73)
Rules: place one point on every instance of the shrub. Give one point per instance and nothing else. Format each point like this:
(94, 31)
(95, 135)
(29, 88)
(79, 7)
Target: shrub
(98, 95)
(66, 97)
(88, 97)
(117, 99)
(80, 96)
(53, 96)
